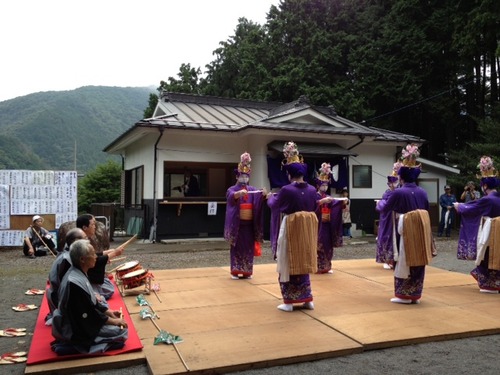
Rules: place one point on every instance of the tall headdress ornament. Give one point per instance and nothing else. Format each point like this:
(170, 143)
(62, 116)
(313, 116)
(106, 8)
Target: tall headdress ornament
(489, 175)
(409, 156)
(393, 177)
(244, 165)
(409, 169)
(291, 153)
(293, 162)
(486, 167)
(324, 173)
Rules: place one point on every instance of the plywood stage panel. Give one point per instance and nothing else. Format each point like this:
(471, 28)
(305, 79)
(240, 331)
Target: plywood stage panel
(231, 325)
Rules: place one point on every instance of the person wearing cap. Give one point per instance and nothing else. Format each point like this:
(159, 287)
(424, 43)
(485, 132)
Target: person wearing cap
(329, 214)
(386, 233)
(414, 245)
(37, 240)
(470, 193)
(243, 226)
(446, 201)
(298, 232)
(479, 220)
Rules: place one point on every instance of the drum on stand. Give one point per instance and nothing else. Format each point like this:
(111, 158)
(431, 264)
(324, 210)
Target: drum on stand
(135, 279)
(126, 268)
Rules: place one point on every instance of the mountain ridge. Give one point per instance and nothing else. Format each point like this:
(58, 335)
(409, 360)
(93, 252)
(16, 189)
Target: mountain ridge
(42, 130)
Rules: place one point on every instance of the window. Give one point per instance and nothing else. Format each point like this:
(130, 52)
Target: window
(362, 176)
(186, 179)
(134, 184)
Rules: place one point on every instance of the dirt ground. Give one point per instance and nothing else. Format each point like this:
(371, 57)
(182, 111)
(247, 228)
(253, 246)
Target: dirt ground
(464, 356)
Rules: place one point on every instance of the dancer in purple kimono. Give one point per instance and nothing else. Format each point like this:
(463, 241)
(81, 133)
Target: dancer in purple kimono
(386, 224)
(243, 227)
(294, 197)
(329, 213)
(275, 223)
(408, 281)
(472, 213)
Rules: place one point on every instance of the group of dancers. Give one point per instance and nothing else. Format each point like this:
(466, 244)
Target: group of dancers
(306, 226)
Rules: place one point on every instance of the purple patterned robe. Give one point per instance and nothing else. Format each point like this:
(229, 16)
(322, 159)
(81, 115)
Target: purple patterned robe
(329, 232)
(242, 234)
(274, 225)
(471, 214)
(292, 198)
(408, 198)
(385, 243)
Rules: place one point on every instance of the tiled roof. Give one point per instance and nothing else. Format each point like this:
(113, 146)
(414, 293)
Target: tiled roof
(207, 113)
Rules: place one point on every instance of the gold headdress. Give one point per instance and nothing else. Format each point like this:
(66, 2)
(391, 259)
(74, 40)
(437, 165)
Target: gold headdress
(486, 167)
(409, 156)
(325, 172)
(395, 168)
(291, 153)
(244, 165)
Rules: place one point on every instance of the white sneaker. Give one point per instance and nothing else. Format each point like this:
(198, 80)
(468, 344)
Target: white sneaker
(308, 305)
(401, 300)
(488, 291)
(288, 307)
(387, 267)
(330, 272)
(234, 277)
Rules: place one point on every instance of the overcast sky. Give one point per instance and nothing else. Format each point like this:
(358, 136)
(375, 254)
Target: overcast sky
(65, 44)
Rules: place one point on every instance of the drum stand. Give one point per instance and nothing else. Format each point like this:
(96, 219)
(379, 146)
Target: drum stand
(128, 290)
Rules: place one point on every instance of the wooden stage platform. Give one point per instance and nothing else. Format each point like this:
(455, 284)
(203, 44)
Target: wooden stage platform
(233, 325)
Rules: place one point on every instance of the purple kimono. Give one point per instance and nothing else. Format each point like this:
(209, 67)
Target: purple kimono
(243, 234)
(329, 232)
(385, 243)
(275, 224)
(471, 214)
(295, 197)
(408, 198)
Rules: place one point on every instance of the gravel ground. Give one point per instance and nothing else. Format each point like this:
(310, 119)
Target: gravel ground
(464, 356)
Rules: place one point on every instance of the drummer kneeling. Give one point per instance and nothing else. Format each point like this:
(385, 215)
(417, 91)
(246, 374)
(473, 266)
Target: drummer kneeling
(82, 324)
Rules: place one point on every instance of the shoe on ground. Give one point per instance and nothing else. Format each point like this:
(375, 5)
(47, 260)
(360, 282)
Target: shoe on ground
(288, 307)
(308, 305)
(401, 300)
(234, 277)
(387, 267)
(330, 271)
(489, 291)
(415, 302)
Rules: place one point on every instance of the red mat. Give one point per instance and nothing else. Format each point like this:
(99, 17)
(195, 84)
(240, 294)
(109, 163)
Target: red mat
(40, 351)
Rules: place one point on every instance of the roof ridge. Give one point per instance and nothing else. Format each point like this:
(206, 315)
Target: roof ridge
(216, 100)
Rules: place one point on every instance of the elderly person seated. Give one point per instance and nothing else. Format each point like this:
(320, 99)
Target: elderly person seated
(82, 324)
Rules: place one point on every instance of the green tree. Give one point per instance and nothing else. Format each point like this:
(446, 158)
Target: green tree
(153, 101)
(101, 185)
(188, 82)
(241, 68)
(488, 139)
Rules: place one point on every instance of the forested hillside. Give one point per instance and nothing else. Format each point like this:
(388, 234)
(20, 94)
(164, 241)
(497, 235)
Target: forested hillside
(42, 130)
(425, 68)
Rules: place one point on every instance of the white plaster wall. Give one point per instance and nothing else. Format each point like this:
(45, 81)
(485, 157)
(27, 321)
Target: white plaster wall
(381, 158)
